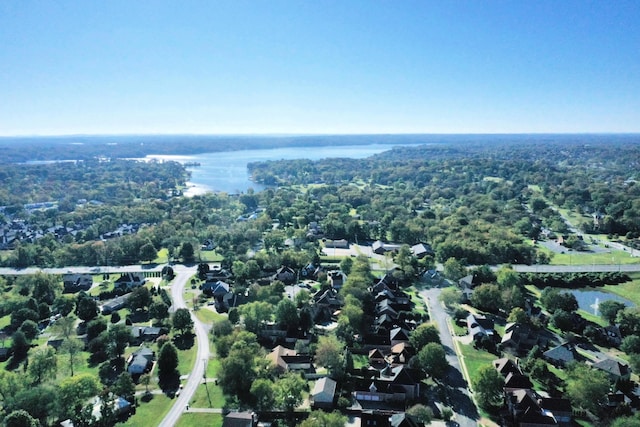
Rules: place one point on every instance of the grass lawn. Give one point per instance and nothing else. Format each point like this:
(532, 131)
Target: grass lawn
(200, 399)
(149, 413)
(210, 256)
(163, 256)
(186, 359)
(593, 318)
(628, 290)
(193, 419)
(213, 367)
(587, 258)
(360, 360)
(205, 315)
(5, 321)
(475, 359)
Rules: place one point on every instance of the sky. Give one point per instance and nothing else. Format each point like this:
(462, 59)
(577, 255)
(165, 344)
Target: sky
(318, 67)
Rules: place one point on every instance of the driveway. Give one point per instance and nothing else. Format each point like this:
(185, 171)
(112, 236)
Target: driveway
(459, 398)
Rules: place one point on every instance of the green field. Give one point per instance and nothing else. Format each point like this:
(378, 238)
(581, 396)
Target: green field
(193, 419)
(150, 413)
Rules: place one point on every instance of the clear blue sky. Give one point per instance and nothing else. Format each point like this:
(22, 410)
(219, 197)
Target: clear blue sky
(317, 66)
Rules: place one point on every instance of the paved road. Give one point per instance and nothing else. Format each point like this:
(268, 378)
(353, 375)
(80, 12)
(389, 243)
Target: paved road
(459, 399)
(197, 374)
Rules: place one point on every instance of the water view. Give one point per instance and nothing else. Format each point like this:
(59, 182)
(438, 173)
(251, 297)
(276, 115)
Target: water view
(589, 300)
(227, 171)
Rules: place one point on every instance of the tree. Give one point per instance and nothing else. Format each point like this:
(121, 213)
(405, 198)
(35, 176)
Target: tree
(487, 297)
(562, 320)
(255, 314)
(159, 310)
(454, 269)
(329, 353)
(553, 299)
(234, 316)
(263, 392)
(609, 310)
(187, 252)
(65, 326)
(86, 307)
(518, 315)
(424, 334)
(74, 392)
(167, 362)
(432, 359)
(631, 344)
(21, 418)
(450, 297)
(42, 364)
(72, 347)
(586, 388)
(289, 390)
(422, 413)
(629, 321)
(319, 418)
(19, 345)
(139, 299)
(30, 329)
(125, 387)
(237, 370)
(182, 321)
(148, 252)
(487, 386)
(287, 314)
(119, 337)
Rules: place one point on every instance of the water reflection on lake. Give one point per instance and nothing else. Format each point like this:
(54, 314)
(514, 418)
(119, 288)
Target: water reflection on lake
(589, 300)
(227, 171)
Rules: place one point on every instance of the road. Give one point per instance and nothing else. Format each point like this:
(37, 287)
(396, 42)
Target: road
(459, 398)
(202, 341)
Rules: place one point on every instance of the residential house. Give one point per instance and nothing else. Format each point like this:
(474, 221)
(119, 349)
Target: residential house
(422, 250)
(561, 355)
(616, 370)
(285, 359)
(141, 361)
(398, 335)
(323, 393)
(519, 338)
(336, 279)
(380, 248)
(400, 354)
(216, 289)
(479, 327)
(377, 359)
(384, 418)
(286, 275)
(145, 333)
(115, 304)
(129, 281)
(240, 419)
(77, 282)
(336, 244)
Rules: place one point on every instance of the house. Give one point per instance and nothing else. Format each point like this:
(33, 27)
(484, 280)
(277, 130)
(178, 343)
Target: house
(422, 250)
(145, 333)
(525, 411)
(77, 282)
(336, 244)
(519, 338)
(115, 304)
(403, 377)
(384, 418)
(380, 248)
(323, 393)
(506, 366)
(377, 359)
(285, 359)
(616, 370)
(286, 275)
(216, 289)
(561, 355)
(240, 419)
(129, 281)
(398, 335)
(336, 279)
(141, 361)
(400, 354)
(479, 327)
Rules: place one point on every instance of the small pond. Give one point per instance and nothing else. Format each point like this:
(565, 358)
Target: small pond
(589, 299)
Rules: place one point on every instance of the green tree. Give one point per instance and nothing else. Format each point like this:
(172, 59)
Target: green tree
(609, 310)
(586, 388)
(454, 269)
(30, 329)
(124, 387)
(422, 413)
(487, 386)
(159, 310)
(139, 299)
(21, 418)
(72, 347)
(119, 337)
(432, 359)
(148, 252)
(324, 419)
(182, 321)
(187, 253)
(19, 345)
(263, 392)
(167, 362)
(86, 307)
(287, 314)
(517, 315)
(73, 393)
(289, 389)
(329, 353)
(42, 364)
(424, 334)
(450, 297)
(255, 314)
(487, 297)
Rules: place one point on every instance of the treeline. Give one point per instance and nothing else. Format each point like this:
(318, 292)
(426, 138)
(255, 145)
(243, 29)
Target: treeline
(574, 280)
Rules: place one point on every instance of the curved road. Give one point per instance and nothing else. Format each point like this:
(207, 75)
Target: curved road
(197, 373)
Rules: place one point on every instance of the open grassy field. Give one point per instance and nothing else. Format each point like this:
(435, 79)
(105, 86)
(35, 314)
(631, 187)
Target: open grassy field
(474, 359)
(150, 413)
(214, 399)
(629, 290)
(193, 419)
(614, 257)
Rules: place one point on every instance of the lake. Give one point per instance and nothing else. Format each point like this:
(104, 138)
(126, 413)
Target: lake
(227, 171)
(588, 300)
